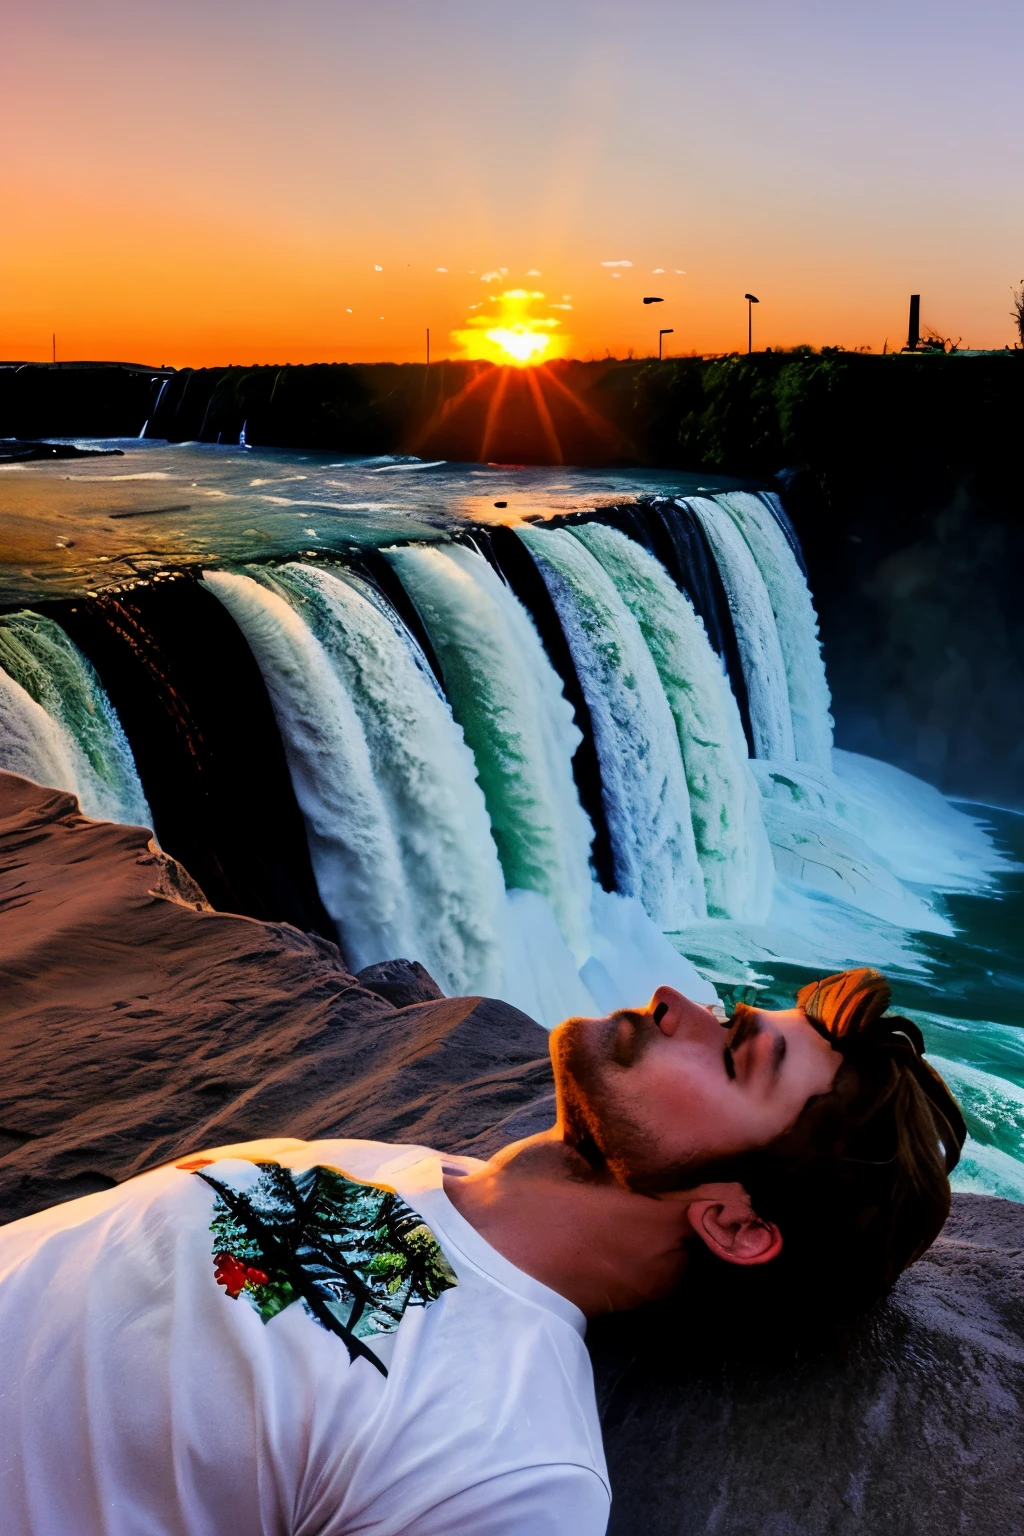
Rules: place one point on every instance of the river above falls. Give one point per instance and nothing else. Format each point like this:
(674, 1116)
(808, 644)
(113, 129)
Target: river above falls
(72, 527)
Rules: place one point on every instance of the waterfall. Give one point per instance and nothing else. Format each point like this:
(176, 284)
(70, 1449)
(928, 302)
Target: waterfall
(643, 783)
(31, 742)
(71, 732)
(354, 850)
(731, 843)
(145, 424)
(763, 666)
(795, 620)
(422, 768)
(508, 699)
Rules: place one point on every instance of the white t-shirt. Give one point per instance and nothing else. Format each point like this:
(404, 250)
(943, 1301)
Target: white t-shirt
(163, 1371)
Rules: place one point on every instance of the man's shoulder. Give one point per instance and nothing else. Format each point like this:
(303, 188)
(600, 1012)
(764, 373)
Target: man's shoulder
(372, 1161)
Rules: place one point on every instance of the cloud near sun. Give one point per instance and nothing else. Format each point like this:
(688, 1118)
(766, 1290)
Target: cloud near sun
(509, 331)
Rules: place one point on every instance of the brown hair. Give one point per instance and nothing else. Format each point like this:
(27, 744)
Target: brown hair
(859, 1186)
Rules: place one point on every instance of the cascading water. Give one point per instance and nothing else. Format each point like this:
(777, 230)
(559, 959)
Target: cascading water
(724, 801)
(508, 699)
(423, 770)
(757, 635)
(59, 726)
(644, 787)
(355, 853)
(796, 623)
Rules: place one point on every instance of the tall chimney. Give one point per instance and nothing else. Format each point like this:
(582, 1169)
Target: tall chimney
(914, 329)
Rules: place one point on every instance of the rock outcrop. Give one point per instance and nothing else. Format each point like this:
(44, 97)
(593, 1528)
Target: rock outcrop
(137, 1024)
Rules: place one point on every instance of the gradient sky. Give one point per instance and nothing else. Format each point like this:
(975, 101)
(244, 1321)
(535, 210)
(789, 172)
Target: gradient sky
(202, 181)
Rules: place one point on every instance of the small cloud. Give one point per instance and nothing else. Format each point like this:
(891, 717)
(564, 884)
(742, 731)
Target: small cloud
(348, 311)
(566, 297)
(616, 263)
(657, 269)
(378, 269)
(680, 272)
(560, 306)
(533, 272)
(382, 317)
(441, 269)
(503, 271)
(491, 277)
(616, 274)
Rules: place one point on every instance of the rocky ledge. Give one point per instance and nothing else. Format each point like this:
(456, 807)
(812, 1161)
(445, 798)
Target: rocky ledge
(137, 1024)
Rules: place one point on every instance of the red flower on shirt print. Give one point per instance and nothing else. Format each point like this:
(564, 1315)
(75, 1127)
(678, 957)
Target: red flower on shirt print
(234, 1276)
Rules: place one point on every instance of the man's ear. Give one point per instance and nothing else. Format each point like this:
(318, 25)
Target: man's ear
(722, 1216)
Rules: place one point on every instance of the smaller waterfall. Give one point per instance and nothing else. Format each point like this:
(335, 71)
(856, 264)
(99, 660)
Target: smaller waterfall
(352, 844)
(422, 767)
(796, 622)
(79, 743)
(643, 784)
(724, 801)
(31, 741)
(763, 666)
(145, 427)
(508, 700)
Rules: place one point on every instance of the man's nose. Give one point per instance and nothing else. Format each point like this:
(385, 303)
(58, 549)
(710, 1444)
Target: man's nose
(670, 1009)
(668, 1006)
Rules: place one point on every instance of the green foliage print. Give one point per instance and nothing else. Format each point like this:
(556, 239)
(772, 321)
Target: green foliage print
(355, 1255)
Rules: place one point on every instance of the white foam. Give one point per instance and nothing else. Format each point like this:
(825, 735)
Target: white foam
(922, 837)
(630, 958)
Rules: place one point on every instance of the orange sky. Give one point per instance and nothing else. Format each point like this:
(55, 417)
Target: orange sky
(216, 183)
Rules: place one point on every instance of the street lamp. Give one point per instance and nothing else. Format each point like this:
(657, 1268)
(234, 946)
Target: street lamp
(751, 301)
(668, 331)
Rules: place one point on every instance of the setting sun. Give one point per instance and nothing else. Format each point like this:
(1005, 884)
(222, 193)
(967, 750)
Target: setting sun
(511, 333)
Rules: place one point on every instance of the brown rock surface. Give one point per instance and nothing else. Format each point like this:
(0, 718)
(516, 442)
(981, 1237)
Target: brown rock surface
(137, 1024)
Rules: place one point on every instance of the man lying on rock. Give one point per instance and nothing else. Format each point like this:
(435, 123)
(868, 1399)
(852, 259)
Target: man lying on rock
(343, 1336)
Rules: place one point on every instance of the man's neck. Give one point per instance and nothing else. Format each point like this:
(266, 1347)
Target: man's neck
(547, 1211)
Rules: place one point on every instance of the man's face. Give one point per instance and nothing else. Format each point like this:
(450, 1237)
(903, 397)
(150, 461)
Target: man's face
(657, 1089)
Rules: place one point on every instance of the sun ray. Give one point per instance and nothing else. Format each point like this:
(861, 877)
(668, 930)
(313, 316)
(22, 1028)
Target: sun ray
(449, 406)
(493, 412)
(593, 419)
(544, 415)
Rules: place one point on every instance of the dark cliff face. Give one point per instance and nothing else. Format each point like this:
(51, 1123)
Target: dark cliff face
(922, 621)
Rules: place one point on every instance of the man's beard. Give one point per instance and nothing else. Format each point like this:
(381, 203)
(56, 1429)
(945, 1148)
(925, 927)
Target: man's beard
(585, 1069)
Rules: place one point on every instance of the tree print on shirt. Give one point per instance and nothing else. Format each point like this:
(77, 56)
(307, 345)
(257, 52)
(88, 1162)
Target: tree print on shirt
(354, 1255)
